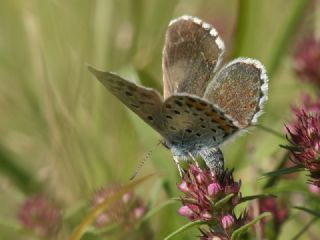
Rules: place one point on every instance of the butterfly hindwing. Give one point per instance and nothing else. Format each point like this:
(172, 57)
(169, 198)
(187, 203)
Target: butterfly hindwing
(240, 89)
(192, 120)
(191, 53)
(145, 102)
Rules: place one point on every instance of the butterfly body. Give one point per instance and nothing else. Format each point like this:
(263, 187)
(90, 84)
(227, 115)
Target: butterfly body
(200, 108)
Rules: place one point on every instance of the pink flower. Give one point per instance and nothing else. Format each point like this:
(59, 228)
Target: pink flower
(40, 215)
(308, 105)
(279, 215)
(201, 192)
(307, 61)
(126, 211)
(304, 137)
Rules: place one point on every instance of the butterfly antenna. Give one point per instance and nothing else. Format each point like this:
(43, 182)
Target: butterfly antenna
(142, 162)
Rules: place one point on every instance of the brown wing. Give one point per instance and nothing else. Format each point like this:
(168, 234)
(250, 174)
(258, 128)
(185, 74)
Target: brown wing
(240, 89)
(145, 102)
(191, 53)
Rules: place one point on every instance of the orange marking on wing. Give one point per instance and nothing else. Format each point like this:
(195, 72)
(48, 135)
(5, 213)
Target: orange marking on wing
(196, 105)
(215, 117)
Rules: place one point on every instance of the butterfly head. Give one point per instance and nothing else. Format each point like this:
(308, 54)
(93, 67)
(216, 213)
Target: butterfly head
(178, 150)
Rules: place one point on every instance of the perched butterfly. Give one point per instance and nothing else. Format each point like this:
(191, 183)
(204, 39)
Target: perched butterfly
(200, 108)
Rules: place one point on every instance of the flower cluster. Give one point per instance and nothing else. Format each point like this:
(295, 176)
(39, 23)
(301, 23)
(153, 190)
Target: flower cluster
(304, 137)
(307, 61)
(126, 211)
(202, 193)
(308, 105)
(279, 215)
(40, 215)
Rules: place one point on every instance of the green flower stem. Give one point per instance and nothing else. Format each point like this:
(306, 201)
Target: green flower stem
(87, 221)
(155, 210)
(241, 28)
(18, 176)
(237, 233)
(271, 131)
(305, 228)
(274, 179)
(284, 39)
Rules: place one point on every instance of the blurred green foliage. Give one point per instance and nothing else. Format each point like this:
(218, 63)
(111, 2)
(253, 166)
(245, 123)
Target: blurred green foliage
(68, 136)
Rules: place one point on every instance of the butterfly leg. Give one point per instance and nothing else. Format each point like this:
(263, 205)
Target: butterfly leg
(193, 158)
(214, 160)
(176, 160)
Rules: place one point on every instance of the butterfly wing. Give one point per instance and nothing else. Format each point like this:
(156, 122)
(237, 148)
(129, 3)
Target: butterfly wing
(192, 121)
(191, 53)
(240, 89)
(145, 102)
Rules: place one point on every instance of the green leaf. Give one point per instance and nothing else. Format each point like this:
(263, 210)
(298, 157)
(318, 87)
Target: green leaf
(156, 209)
(183, 228)
(273, 180)
(223, 201)
(312, 212)
(282, 171)
(259, 196)
(236, 234)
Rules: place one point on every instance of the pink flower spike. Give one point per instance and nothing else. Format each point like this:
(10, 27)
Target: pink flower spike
(214, 188)
(227, 221)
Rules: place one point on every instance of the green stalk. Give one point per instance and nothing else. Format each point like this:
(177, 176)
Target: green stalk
(305, 228)
(284, 39)
(271, 131)
(18, 176)
(241, 28)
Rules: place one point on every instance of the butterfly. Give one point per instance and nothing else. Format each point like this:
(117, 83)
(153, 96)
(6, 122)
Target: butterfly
(201, 107)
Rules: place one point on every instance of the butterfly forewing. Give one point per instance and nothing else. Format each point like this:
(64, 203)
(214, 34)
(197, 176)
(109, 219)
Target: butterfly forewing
(192, 120)
(240, 89)
(191, 53)
(145, 102)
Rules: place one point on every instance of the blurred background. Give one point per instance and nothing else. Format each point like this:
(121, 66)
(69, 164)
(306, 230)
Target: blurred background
(63, 135)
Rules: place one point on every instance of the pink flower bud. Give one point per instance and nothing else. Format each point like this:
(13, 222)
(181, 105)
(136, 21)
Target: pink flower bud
(183, 187)
(213, 189)
(227, 221)
(200, 178)
(138, 212)
(314, 189)
(185, 211)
